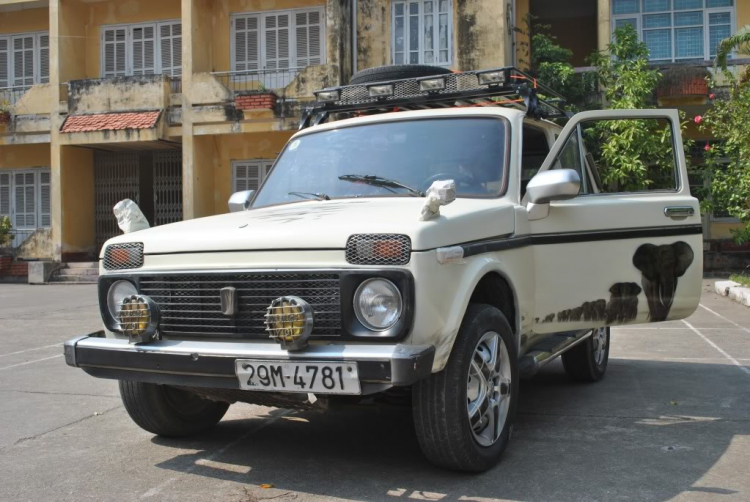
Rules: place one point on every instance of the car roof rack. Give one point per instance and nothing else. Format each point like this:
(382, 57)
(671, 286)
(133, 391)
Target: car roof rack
(507, 86)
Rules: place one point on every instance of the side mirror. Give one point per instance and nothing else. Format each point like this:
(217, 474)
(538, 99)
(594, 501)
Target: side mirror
(556, 184)
(240, 201)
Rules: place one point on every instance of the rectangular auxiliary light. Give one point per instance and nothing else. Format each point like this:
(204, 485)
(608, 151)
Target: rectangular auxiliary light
(380, 90)
(491, 77)
(328, 95)
(432, 84)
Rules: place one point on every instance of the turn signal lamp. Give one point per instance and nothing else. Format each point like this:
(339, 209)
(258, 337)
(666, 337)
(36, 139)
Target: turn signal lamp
(289, 321)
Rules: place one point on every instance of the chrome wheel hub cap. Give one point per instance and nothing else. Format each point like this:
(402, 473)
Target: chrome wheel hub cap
(599, 338)
(488, 389)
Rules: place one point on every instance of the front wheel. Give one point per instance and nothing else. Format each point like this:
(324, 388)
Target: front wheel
(168, 411)
(464, 414)
(587, 361)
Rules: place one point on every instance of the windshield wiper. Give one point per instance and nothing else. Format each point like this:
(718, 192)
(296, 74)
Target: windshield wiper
(319, 196)
(377, 181)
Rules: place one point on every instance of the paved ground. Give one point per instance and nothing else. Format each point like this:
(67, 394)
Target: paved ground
(671, 421)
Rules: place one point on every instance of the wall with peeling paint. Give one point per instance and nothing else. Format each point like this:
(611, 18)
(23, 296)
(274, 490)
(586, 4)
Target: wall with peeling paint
(21, 21)
(23, 156)
(241, 147)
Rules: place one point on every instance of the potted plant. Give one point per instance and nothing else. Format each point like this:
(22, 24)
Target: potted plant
(683, 81)
(4, 111)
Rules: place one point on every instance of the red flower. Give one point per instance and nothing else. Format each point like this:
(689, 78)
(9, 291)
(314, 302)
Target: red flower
(707, 147)
(712, 96)
(698, 119)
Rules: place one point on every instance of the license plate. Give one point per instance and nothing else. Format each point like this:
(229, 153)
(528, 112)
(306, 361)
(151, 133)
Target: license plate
(315, 377)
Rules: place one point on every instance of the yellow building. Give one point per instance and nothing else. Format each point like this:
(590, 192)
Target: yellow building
(177, 103)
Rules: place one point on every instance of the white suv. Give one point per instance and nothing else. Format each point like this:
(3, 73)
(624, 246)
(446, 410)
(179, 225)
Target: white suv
(441, 244)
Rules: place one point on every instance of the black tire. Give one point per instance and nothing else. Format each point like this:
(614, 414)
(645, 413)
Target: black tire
(167, 411)
(396, 72)
(580, 362)
(439, 403)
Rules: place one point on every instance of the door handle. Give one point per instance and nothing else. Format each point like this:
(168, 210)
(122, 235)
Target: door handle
(678, 211)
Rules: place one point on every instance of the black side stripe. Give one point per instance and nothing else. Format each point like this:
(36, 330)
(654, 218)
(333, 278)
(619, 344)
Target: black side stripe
(502, 244)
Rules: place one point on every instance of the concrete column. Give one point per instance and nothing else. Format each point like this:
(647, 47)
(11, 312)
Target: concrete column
(604, 28)
(55, 178)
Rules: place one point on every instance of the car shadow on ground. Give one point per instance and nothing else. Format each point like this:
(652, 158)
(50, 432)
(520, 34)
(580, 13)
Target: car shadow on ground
(649, 430)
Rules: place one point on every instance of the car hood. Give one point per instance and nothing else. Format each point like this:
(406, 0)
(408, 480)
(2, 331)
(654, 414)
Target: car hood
(328, 225)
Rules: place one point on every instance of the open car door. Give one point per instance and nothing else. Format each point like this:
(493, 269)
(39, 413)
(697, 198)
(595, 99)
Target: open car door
(627, 248)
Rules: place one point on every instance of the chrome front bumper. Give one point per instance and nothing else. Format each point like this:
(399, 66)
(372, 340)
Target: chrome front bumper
(211, 364)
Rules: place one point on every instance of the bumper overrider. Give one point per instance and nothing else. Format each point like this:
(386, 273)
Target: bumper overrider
(212, 364)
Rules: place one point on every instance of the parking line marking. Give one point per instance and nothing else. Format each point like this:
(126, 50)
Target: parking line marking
(721, 351)
(30, 350)
(726, 319)
(29, 362)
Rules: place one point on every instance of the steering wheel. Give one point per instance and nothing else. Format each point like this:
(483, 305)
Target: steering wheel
(459, 178)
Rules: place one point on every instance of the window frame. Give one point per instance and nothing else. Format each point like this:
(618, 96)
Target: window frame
(265, 166)
(36, 57)
(705, 12)
(128, 27)
(436, 34)
(261, 15)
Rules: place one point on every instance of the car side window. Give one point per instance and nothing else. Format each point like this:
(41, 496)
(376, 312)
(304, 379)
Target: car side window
(534, 150)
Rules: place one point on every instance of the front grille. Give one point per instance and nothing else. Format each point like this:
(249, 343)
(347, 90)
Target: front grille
(123, 256)
(191, 304)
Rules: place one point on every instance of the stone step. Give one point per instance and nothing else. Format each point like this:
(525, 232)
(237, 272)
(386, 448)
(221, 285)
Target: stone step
(78, 271)
(83, 264)
(73, 279)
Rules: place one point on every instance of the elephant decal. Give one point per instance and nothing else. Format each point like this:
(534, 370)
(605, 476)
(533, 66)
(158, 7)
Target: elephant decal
(661, 267)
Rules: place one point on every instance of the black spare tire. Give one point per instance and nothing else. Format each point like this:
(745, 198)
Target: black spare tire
(396, 72)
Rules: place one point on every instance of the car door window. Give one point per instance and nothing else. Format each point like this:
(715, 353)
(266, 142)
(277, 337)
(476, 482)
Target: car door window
(534, 150)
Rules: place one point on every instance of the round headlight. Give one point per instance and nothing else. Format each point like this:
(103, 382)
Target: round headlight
(117, 292)
(377, 304)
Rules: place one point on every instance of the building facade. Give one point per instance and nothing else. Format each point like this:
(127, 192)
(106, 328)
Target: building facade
(177, 103)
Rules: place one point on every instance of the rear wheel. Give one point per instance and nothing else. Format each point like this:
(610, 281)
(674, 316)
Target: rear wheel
(168, 411)
(464, 414)
(587, 361)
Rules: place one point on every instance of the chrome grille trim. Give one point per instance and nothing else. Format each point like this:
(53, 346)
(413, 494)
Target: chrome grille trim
(130, 256)
(360, 249)
(190, 303)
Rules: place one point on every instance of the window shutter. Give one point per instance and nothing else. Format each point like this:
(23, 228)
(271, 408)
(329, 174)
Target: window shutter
(170, 47)
(25, 200)
(308, 32)
(246, 43)
(45, 201)
(143, 42)
(5, 194)
(247, 175)
(43, 56)
(277, 32)
(4, 62)
(114, 47)
(23, 60)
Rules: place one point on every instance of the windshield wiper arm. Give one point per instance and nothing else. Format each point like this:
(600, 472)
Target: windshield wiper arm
(377, 181)
(319, 196)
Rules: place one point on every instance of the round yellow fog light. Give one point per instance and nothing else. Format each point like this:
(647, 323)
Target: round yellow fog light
(289, 321)
(138, 317)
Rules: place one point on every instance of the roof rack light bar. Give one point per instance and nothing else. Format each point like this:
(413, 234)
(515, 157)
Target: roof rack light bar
(507, 86)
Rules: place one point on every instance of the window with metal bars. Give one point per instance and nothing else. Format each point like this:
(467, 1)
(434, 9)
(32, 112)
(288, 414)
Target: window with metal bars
(142, 49)
(677, 30)
(422, 32)
(24, 59)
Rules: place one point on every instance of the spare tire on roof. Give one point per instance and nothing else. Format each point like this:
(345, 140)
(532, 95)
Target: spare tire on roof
(396, 72)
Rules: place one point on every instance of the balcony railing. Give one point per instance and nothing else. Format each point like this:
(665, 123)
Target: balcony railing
(11, 95)
(257, 80)
(175, 85)
(19, 236)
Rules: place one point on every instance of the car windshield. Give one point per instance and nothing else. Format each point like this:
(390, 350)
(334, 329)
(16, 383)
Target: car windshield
(391, 159)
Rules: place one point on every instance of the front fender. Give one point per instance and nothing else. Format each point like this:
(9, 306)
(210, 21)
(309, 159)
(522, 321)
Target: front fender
(443, 292)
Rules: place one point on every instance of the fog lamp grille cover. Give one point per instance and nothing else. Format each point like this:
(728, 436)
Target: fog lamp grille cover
(138, 317)
(289, 321)
(123, 256)
(378, 249)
